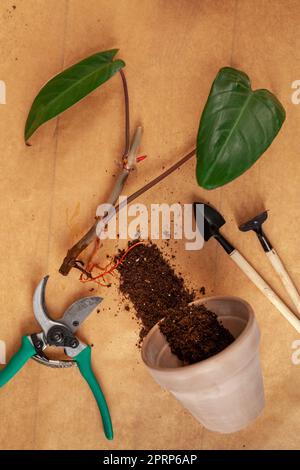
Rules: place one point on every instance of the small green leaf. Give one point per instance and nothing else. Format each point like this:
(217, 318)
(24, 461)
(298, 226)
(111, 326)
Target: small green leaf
(70, 86)
(236, 127)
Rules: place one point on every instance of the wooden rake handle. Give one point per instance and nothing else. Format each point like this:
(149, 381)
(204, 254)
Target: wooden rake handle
(285, 278)
(265, 289)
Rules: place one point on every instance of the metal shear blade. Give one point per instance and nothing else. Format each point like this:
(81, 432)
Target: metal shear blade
(60, 333)
(73, 317)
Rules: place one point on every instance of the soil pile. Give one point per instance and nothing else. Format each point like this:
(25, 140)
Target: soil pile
(157, 292)
(151, 284)
(194, 333)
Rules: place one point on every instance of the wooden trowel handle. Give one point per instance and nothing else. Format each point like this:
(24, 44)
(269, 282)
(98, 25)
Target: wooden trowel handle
(265, 289)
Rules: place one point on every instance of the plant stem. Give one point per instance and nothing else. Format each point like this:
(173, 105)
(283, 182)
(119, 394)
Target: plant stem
(70, 260)
(125, 160)
(128, 165)
(127, 116)
(159, 178)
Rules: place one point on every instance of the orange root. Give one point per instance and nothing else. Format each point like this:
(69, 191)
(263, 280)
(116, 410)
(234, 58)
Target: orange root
(110, 271)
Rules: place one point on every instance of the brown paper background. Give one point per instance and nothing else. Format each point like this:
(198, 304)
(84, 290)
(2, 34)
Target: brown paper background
(49, 193)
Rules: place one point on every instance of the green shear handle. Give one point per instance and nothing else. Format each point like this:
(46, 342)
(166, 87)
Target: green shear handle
(16, 363)
(83, 360)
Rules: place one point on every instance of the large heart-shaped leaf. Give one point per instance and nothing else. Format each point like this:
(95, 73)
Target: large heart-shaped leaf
(70, 86)
(236, 127)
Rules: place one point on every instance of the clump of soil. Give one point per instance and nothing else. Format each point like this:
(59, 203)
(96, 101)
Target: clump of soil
(151, 284)
(158, 293)
(194, 333)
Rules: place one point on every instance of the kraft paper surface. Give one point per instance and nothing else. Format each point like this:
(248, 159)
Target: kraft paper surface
(50, 191)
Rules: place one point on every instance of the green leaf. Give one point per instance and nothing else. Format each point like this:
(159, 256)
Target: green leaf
(70, 86)
(236, 127)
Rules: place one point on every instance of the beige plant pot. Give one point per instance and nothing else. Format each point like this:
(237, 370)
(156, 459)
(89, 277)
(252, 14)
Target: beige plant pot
(225, 392)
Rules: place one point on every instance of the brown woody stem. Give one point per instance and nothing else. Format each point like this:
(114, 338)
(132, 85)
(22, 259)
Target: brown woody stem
(127, 117)
(72, 255)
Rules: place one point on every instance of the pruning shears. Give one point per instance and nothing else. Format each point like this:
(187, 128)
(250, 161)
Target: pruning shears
(60, 333)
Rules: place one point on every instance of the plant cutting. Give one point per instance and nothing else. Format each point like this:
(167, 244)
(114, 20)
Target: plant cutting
(236, 127)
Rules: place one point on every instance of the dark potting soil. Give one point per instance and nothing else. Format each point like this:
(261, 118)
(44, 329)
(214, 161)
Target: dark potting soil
(151, 284)
(157, 292)
(194, 333)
